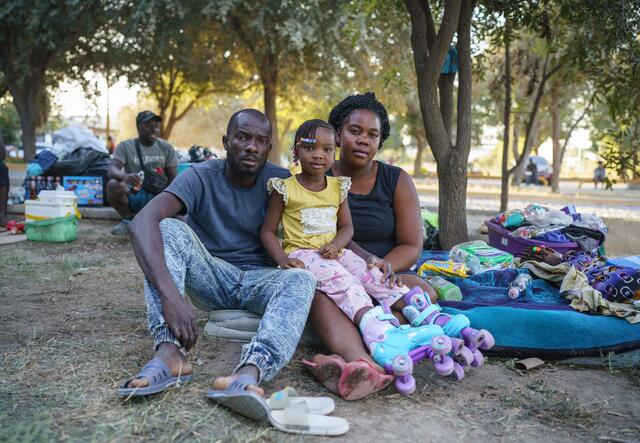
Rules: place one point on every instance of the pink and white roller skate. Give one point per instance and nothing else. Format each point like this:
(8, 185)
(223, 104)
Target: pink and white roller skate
(397, 347)
(466, 340)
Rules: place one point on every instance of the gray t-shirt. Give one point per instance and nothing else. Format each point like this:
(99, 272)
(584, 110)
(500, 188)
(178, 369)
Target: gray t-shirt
(227, 218)
(159, 155)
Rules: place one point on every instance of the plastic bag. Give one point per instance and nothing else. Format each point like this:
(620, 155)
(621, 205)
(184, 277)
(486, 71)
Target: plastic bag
(452, 268)
(511, 218)
(480, 257)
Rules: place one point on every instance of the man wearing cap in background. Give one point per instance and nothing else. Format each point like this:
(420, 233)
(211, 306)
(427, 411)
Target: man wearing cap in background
(125, 187)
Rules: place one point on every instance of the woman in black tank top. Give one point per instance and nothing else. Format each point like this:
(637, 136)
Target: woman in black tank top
(387, 233)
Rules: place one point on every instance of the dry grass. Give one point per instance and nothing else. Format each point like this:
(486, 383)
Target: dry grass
(74, 328)
(538, 400)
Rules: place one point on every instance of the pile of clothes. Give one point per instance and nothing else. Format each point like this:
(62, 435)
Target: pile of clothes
(555, 226)
(75, 151)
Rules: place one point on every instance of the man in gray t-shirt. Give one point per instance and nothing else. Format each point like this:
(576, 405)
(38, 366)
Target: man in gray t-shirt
(226, 217)
(124, 189)
(217, 258)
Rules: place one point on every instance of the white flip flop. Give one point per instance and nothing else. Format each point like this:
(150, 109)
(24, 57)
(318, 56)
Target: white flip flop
(295, 418)
(288, 396)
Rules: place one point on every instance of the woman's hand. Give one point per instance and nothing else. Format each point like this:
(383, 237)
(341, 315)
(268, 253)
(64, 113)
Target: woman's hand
(290, 263)
(387, 270)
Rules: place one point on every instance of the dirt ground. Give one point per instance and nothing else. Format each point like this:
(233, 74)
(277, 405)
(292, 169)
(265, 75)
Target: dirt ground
(74, 327)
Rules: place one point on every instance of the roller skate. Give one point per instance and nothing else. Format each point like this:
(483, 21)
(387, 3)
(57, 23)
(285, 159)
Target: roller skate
(466, 341)
(397, 347)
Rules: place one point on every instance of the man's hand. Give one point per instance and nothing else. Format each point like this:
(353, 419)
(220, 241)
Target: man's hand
(133, 180)
(181, 321)
(387, 270)
(329, 251)
(290, 263)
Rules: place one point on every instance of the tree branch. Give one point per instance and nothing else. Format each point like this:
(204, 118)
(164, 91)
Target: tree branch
(419, 40)
(440, 46)
(576, 123)
(534, 111)
(431, 28)
(463, 127)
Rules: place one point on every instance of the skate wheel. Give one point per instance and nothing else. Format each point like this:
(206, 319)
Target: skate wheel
(465, 356)
(402, 365)
(443, 365)
(405, 385)
(441, 344)
(487, 340)
(478, 360)
(458, 372)
(457, 345)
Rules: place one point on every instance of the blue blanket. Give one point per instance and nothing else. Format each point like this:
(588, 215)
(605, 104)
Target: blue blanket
(539, 324)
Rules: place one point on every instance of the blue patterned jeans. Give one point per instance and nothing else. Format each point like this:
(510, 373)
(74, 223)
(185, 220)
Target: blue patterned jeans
(283, 297)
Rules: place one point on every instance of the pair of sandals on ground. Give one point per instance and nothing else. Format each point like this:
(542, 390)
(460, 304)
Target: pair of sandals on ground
(285, 410)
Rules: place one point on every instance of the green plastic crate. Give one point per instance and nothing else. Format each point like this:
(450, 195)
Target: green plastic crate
(59, 229)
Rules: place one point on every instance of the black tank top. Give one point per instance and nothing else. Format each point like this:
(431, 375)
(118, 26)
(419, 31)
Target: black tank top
(374, 223)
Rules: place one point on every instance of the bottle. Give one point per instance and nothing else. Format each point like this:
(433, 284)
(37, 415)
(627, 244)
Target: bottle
(33, 193)
(518, 286)
(50, 186)
(446, 291)
(58, 183)
(39, 184)
(27, 188)
(136, 188)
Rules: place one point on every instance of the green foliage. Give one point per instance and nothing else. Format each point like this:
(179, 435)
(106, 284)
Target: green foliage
(37, 35)
(41, 41)
(171, 49)
(607, 50)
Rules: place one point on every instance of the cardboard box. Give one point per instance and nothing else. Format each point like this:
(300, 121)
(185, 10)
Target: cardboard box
(87, 188)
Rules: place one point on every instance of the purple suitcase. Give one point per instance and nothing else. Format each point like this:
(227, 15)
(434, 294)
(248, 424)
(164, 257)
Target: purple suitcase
(501, 238)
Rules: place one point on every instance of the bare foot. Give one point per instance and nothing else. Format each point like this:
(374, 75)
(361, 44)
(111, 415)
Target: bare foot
(367, 357)
(170, 356)
(222, 383)
(327, 369)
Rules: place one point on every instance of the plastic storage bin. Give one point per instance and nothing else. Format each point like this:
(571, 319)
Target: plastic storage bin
(502, 239)
(60, 229)
(51, 204)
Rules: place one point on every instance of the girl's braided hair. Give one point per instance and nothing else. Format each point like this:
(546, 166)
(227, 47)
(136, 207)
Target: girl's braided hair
(307, 130)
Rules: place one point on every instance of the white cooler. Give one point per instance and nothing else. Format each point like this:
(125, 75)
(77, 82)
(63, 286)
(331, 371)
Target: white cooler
(51, 204)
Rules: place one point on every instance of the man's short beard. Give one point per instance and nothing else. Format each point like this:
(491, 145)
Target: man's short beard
(235, 166)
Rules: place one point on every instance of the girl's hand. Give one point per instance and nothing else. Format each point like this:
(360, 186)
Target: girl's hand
(329, 251)
(387, 270)
(290, 263)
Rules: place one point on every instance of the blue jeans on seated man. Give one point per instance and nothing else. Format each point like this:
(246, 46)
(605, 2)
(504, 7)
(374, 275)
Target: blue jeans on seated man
(282, 297)
(138, 200)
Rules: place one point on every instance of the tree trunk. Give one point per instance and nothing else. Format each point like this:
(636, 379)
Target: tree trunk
(518, 172)
(506, 117)
(555, 139)
(452, 201)
(452, 191)
(269, 77)
(429, 51)
(515, 148)
(26, 103)
(416, 132)
(445, 87)
(271, 113)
